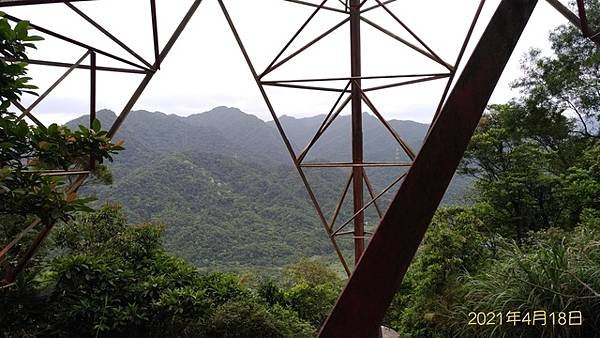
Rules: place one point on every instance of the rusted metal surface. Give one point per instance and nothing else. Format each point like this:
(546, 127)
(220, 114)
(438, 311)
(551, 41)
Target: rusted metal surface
(362, 305)
(76, 42)
(565, 11)
(155, 41)
(68, 65)
(108, 34)
(352, 94)
(425, 53)
(286, 141)
(368, 204)
(588, 31)
(305, 47)
(53, 86)
(92, 100)
(459, 58)
(357, 130)
(306, 3)
(27, 113)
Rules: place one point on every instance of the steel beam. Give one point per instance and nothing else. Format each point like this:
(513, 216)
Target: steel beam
(68, 65)
(155, 33)
(7, 3)
(579, 21)
(54, 85)
(107, 33)
(357, 130)
(585, 25)
(74, 42)
(146, 80)
(306, 3)
(93, 87)
(362, 305)
(565, 11)
(11, 274)
(283, 135)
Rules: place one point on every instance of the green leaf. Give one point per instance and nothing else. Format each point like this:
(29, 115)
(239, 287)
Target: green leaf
(96, 126)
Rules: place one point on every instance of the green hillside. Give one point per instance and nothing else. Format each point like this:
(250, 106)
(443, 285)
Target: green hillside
(223, 182)
(223, 211)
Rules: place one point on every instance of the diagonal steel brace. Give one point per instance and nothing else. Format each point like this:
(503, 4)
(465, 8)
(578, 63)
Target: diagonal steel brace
(362, 305)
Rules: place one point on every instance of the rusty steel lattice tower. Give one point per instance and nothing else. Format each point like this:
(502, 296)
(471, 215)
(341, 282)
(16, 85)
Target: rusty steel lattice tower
(380, 266)
(355, 94)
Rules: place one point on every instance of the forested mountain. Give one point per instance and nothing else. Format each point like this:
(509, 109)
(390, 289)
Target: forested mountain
(335, 143)
(525, 246)
(223, 181)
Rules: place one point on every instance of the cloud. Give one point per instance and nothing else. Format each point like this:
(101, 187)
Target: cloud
(206, 69)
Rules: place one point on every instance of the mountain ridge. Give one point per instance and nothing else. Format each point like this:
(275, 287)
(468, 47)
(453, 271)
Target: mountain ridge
(225, 185)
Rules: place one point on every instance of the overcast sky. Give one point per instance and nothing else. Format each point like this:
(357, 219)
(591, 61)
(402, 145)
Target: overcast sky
(206, 69)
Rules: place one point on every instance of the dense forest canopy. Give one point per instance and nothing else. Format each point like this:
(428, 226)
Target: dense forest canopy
(213, 177)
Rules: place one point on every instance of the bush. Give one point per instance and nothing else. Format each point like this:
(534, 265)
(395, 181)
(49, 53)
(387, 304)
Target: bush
(251, 318)
(556, 272)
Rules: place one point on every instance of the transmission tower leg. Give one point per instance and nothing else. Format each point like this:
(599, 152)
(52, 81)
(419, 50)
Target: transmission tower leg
(362, 305)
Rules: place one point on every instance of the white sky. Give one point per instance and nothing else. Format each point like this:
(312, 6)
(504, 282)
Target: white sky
(206, 69)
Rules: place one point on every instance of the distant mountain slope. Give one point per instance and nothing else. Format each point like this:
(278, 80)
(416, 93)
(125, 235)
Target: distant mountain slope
(244, 131)
(223, 181)
(335, 143)
(148, 136)
(223, 211)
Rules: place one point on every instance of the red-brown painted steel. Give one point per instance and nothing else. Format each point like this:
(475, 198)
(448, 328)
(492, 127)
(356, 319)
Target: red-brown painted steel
(580, 21)
(361, 307)
(11, 273)
(588, 31)
(92, 99)
(7, 3)
(357, 130)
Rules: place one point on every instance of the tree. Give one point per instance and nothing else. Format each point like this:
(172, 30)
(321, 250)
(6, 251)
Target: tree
(530, 241)
(453, 245)
(249, 318)
(514, 161)
(25, 151)
(556, 272)
(570, 79)
(114, 279)
(311, 271)
(522, 150)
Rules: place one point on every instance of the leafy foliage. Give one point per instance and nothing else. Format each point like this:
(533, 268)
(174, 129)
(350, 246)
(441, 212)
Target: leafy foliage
(557, 272)
(113, 279)
(453, 245)
(568, 80)
(26, 151)
(530, 240)
(14, 42)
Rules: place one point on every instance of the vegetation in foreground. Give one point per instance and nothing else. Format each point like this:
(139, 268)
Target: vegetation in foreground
(108, 278)
(529, 242)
